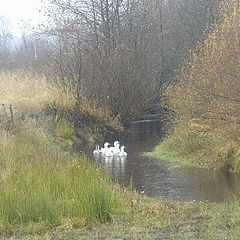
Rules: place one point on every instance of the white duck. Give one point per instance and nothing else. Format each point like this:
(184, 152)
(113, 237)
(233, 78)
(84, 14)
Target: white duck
(106, 151)
(103, 150)
(122, 152)
(97, 150)
(116, 148)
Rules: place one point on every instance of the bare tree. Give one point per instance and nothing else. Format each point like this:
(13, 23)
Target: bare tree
(121, 54)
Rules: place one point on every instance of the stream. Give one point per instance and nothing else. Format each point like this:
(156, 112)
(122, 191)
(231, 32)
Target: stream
(162, 179)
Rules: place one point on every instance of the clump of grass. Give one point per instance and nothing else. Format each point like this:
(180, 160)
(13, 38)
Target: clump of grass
(50, 192)
(64, 130)
(183, 146)
(39, 183)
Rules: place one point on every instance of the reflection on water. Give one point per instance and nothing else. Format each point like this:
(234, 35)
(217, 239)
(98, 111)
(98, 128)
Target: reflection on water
(114, 165)
(162, 179)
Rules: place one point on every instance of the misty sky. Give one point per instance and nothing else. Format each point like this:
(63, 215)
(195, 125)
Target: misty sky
(20, 11)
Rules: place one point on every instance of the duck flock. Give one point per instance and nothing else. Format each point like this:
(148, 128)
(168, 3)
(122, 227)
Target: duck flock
(108, 151)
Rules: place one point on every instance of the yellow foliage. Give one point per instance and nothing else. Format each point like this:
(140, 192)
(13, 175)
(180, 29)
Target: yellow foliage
(207, 97)
(208, 89)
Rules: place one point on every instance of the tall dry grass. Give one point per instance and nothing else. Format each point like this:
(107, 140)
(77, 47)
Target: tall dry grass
(30, 92)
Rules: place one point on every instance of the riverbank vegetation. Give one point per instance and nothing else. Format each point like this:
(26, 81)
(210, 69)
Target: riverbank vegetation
(206, 97)
(91, 70)
(44, 185)
(33, 94)
(49, 191)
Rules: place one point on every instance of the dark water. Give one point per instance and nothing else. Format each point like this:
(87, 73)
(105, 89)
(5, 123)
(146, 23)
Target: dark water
(161, 179)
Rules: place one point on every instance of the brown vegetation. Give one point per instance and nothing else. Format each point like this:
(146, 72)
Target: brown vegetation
(25, 91)
(207, 93)
(120, 55)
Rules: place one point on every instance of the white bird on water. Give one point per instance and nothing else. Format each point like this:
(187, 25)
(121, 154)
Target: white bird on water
(116, 148)
(122, 152)
(97, 150)
(106, 151)
(103, 150)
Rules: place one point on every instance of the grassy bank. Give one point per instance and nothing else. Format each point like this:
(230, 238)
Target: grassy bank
(47, 192)
(42, 185)
(150, 219)
(194, 145)
(182, 147)
(163, 152)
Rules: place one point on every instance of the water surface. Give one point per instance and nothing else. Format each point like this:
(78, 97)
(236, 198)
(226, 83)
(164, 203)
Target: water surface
(161, 179)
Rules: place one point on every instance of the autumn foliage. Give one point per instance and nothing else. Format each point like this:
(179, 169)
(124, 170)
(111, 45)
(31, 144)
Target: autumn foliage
(207, 92)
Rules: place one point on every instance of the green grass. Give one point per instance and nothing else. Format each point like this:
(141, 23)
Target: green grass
(182, 147)
(164, 153)
(48, 193)
(187, 147)
(64, 131)
(42, 184)
(154, 219)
